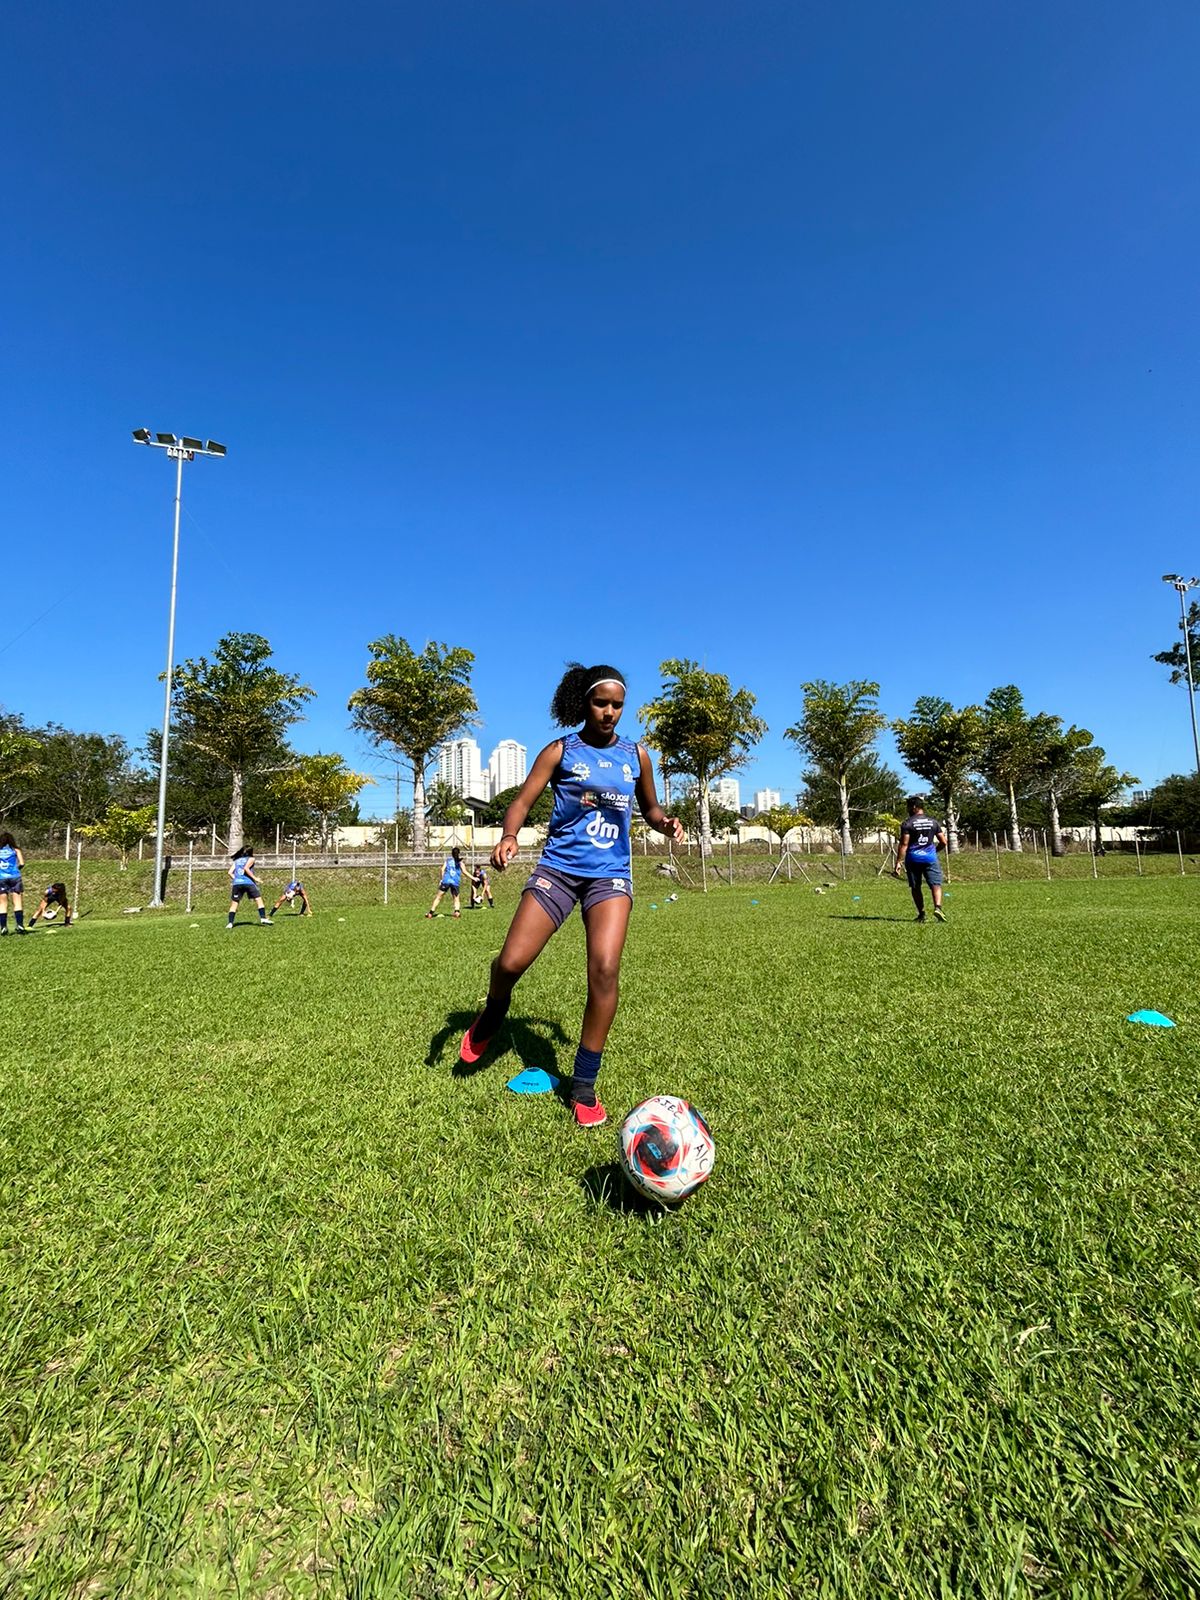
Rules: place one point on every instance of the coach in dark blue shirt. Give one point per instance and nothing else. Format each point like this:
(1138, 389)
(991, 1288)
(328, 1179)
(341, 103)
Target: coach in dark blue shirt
(921, 838)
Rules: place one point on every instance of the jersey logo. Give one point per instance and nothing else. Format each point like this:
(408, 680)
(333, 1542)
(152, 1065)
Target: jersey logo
(581, 770)
(618, 883)
(627, 773)
(602, 833)
(600, 762)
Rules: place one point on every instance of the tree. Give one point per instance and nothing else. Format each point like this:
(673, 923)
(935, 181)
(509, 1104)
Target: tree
(414, 703)
(876, 789)
(942, 745)
(780, 820)
(123, 827)
(236, 709)
(720, 818)
(1012, 749)
(702, 729)
(1175, 657)
(1062, 750)
(839, 722)
(444, 805)
(20, 762)
(539, 811)
(81, 774)
(322, 786)
(1097, 784)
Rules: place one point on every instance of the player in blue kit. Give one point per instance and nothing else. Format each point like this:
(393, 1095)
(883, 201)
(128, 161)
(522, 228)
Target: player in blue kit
(450, 884)
(243, 881)
(11, 864)
(920, 839)
(293, 892)
(596, 777)
(54, 896)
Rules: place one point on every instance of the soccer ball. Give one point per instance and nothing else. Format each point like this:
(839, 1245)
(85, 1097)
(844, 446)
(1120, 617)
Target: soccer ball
(666, 1148)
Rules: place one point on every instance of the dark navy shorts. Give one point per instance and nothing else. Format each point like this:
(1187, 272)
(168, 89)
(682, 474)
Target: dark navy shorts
(920, 872)
(239, 889)
(559, 892)
(447, 888)
(10, 886)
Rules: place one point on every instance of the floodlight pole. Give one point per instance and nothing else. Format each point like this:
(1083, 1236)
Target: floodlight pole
(179, 450)
(1181, 586)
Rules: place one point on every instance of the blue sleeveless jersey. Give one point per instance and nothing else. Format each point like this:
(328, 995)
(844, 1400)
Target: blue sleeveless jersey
(8, 863)
(240, 872)
(452, 872)
(593, 805)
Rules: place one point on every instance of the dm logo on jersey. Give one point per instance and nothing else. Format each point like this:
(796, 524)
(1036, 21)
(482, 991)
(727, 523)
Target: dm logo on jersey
(602, 833)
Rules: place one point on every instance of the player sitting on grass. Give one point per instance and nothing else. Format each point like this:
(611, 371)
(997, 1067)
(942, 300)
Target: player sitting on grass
(920, 839)
(451, 881)
(481, 889)
(596, 776)
(293, 892)
(241, 871)
(11, 864)
(54, 896)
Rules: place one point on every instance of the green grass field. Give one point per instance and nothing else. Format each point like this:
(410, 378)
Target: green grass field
(292, 1308)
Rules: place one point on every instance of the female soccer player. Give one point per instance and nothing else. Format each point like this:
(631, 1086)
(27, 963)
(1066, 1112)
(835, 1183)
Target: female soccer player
(241, 871)
(451, 881)
(481, 889)
(54, 896)
(293, 892)
(595, 776)
(12, 863)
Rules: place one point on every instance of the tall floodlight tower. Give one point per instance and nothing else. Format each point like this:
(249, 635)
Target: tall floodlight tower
(1182, 585)
(179, 451)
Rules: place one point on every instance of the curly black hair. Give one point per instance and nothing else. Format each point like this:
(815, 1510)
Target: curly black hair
(569, 705)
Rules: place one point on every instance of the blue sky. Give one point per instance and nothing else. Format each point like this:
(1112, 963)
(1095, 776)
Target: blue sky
(803, 340)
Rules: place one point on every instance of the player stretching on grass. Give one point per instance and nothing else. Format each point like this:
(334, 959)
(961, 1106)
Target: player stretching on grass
(595, 776)
(451, 881)
(244, 882)
(481, 889)
(920, 840)
(54, 896)
(293, 892)
(11, 864)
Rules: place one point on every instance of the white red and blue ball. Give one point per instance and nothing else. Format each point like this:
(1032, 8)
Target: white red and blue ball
(666, 1148)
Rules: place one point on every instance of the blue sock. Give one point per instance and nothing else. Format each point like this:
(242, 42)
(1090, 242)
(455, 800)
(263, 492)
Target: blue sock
(583, 1075)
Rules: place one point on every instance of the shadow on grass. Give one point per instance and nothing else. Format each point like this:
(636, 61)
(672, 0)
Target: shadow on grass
(850, 916)
(607, 1185)
(518, 1036)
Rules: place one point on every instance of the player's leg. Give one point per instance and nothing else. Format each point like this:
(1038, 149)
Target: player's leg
(528, 934)
(437, 900)
(264, 919)
(233, 905)
(606, 923)
(915, 879)
(934, 874)
(457, 906)
(3, 911)
(41, 911)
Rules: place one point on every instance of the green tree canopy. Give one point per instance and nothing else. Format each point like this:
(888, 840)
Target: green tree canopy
(780, 820)
(1012, 750)
(1096, 785)
(124, 827)
(702, 728)
(1175, 657)
(444, 805)
(839, 723)
(720, 818)
(236, 709)
(20, 763)
(874, 787)
(941, 745)
(414, 703)
(1058, 770)
(539, 811)
(81, 774)
(323, 788)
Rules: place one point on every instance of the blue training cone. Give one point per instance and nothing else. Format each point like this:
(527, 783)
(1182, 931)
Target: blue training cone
(532, 1081)
(1152, 1019)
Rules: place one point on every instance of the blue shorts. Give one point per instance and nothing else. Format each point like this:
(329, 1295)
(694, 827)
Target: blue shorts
(447, 888)
(10, 886)
(559, 892)
(245, 887)
(919, 872)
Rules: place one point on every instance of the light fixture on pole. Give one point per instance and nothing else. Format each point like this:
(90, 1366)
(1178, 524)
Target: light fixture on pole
(179, 450)
(1182, 585)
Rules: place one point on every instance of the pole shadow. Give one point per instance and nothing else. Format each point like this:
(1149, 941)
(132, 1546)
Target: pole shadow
(532, 1040)
(849, 916)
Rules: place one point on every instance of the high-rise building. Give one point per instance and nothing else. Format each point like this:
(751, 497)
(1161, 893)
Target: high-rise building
(727, 792)
(506, 766)
(459, 765)
(766, 799)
